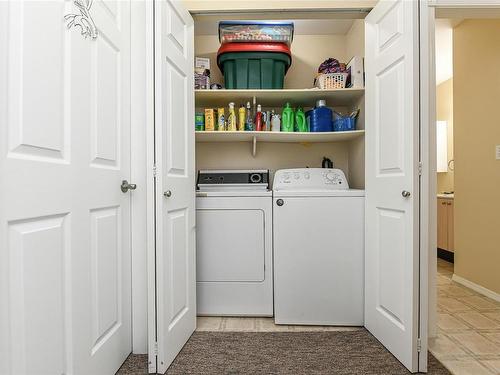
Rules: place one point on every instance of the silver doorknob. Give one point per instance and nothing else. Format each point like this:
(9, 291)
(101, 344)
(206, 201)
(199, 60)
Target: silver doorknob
(125, 186)
(405, 193)
(167, 194)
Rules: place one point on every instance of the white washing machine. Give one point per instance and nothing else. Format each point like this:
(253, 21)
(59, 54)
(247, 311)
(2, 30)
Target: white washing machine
(318, 227)
(234, 243)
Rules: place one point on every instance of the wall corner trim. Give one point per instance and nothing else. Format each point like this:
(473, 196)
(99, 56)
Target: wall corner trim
(477, 288)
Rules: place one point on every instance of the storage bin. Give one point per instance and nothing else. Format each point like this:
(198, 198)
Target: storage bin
(253, 70)
(344, 123)
(251, 31)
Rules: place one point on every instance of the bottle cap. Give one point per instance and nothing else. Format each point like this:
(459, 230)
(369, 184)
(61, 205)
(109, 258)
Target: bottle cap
(259, 108)
(231, 105)
(321, 103)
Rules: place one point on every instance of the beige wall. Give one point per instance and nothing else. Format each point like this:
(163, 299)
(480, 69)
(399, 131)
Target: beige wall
(477, 130)
(308, 51)
(444, 112)
(271, 156)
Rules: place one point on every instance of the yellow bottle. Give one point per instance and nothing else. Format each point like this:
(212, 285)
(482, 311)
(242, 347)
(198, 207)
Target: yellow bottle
(231, 118)
(241, 118)
(221, 120)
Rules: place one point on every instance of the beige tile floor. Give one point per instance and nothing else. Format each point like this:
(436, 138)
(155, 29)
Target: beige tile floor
(232, 324)
(468, 333)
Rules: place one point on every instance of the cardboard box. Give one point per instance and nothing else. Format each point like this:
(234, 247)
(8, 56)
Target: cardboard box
(202, 62)
(209, 119)
(356, 66)
(202, 73)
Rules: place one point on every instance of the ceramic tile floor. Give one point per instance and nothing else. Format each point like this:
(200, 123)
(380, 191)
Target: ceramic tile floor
(232, 324)
(468, 332)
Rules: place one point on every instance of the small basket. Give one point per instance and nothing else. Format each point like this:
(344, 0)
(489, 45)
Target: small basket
(331, 81)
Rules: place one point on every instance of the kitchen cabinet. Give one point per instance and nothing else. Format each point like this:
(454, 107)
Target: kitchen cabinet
(445, 230)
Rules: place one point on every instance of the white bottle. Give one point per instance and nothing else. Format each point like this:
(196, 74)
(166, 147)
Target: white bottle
(275, 123)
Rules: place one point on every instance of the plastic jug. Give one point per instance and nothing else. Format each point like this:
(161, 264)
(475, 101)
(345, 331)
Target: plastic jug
(300, 121)
(287, 119)
(320, 118)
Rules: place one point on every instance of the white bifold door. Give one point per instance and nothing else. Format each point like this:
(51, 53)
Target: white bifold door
(64, 221)
(392, 183)
(175, 181)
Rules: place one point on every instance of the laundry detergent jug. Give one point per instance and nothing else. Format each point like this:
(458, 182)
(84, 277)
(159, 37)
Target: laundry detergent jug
(320, 118)
(300, 121)
(287, 119)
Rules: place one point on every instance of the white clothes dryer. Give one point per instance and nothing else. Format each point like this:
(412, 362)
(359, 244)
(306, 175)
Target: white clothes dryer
(234, 243)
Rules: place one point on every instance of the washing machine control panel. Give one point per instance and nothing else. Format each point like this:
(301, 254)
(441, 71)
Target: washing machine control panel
(310, 179)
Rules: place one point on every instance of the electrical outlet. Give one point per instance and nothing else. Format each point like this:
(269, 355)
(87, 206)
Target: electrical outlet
(497, 152)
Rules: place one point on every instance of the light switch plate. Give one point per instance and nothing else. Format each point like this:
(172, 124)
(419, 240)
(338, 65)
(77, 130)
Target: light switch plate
(497, 152)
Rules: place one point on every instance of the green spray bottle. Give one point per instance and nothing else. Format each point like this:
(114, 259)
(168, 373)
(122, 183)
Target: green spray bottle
(300, 121)
(287, 119)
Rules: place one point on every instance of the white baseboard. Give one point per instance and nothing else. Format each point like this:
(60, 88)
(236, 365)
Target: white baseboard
(477, 288)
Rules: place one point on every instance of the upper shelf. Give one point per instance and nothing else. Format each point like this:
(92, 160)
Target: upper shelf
(277, 98)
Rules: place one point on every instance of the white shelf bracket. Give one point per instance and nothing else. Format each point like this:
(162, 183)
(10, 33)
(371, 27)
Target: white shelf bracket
(254, 146)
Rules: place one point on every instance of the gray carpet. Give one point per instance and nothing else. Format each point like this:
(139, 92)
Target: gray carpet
(235, 353)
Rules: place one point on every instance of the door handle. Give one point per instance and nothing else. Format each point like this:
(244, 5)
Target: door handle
(125, 186)
(405, 194)
(167, 194)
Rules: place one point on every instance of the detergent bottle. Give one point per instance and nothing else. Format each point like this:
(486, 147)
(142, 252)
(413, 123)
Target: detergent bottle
(287, 119)
(241, 118)
(249, 126)
(275, 122)
(300, 121)
(259, 121)
(231, 118)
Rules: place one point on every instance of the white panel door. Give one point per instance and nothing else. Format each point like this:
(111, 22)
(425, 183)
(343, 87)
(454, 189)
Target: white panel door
(175, 184)
(392, 116)
(64, 222)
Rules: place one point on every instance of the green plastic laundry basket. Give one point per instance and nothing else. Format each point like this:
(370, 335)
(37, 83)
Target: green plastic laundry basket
(254, 70)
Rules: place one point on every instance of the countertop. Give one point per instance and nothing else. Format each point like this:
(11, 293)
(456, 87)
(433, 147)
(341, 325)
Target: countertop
(446, 196)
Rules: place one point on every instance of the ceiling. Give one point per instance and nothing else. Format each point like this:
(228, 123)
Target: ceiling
(301, 27)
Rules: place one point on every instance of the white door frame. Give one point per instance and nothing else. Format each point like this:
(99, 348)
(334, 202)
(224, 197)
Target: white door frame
(142, 161)
(428, 146)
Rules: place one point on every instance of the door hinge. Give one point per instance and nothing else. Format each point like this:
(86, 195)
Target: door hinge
(419, 345)
(420, 168)
(154, 170)
(155, 348)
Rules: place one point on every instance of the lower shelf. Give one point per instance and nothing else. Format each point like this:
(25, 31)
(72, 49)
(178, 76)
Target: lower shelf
(243, 136)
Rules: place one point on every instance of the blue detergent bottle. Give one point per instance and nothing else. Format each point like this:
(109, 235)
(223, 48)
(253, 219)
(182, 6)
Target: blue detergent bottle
(320, 118)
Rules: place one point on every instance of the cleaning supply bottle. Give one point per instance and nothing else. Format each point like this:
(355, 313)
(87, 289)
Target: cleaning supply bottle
(275, 122)
(300, 121)
(221, 120)
(231, 118)
(267, 121)
(287, 119)
(249, 118)
(241, 118)
(259, 121)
